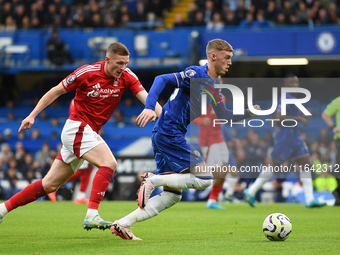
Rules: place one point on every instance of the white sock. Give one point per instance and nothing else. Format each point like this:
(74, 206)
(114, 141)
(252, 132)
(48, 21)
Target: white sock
(182, 181)
(91, 213)
(154, 206)
(80, 195)
(231, 183)
(3, 209)
(260, 180)
(307, 185)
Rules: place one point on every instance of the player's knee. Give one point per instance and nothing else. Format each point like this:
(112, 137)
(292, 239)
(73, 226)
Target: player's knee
(203, 183)
(111, 164)
(50, 188)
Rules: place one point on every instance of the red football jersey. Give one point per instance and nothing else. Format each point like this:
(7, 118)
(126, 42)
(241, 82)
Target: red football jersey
(209, 134)
(97, 94)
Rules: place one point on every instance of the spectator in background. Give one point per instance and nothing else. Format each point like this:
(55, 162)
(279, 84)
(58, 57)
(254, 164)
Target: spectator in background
(216, 23)
(324, 137)
(6, 154)
(19, 14)
(55, 122)
(124, 10)
(248, 21)
(6, 12)
(35, 134)
(333, 13)
(26, 23)
(230, 19)
(323, 18)
(10, 116)
(12, 174)
(301, 13)
(241, 11)
(199, 19)
(192, 13)
(8, 134)
(125, 19)
(27, 164)
(140, 15)
(56, 50)
(119, 118)
(287, 10)
(208, 11)
(281, 19)
(260, 21)
(179, 21)
(36, 23)
(43, 155)
(96, 21)
(63, 15)
(271, 12)
(10, 24)
(49, 16)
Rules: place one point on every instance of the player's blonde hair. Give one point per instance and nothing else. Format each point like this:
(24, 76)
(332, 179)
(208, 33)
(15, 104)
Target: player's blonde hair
(218, 45)
(118, 48)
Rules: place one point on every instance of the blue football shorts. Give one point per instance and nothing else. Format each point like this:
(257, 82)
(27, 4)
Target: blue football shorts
(173, 154)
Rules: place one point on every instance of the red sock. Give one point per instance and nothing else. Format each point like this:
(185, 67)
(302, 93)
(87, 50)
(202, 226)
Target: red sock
(29, 194)
(76, 175)
(85, 178)
(99, 186)
(214, 193)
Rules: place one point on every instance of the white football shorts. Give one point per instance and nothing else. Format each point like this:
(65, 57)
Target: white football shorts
(216, 154)
(77, 138)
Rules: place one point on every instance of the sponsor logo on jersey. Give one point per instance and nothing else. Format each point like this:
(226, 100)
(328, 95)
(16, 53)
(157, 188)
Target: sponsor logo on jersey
(97, 86)
(71, 79)
(102, 92)
(190, 73)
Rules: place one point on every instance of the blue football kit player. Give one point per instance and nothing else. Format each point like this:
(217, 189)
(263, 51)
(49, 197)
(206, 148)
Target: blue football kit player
(288, 145)
(179, 166)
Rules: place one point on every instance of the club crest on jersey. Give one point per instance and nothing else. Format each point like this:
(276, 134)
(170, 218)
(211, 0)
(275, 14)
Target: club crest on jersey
(197, 153)
(190, 73)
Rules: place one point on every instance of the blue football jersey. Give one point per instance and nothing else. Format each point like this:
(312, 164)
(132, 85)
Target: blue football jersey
(288, 134)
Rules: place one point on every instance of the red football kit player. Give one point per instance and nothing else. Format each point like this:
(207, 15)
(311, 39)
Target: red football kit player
(99, 88)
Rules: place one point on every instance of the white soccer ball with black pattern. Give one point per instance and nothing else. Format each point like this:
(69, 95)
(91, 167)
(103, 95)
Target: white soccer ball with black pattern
(277, 227)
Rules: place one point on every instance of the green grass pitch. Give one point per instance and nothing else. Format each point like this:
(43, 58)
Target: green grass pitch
(187, 228)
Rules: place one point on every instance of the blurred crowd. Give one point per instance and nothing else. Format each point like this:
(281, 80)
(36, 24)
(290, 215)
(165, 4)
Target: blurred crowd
(214, 14)
(26, 14)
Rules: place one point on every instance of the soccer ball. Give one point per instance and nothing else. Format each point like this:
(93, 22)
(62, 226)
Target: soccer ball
(277, 227)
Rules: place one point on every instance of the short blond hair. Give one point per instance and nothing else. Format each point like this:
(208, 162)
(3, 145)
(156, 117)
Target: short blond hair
(118, 48)
(218, 45)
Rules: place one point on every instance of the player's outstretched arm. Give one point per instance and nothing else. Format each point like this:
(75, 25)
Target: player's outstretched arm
(152, 109)
(46, 100)
(142, 97)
